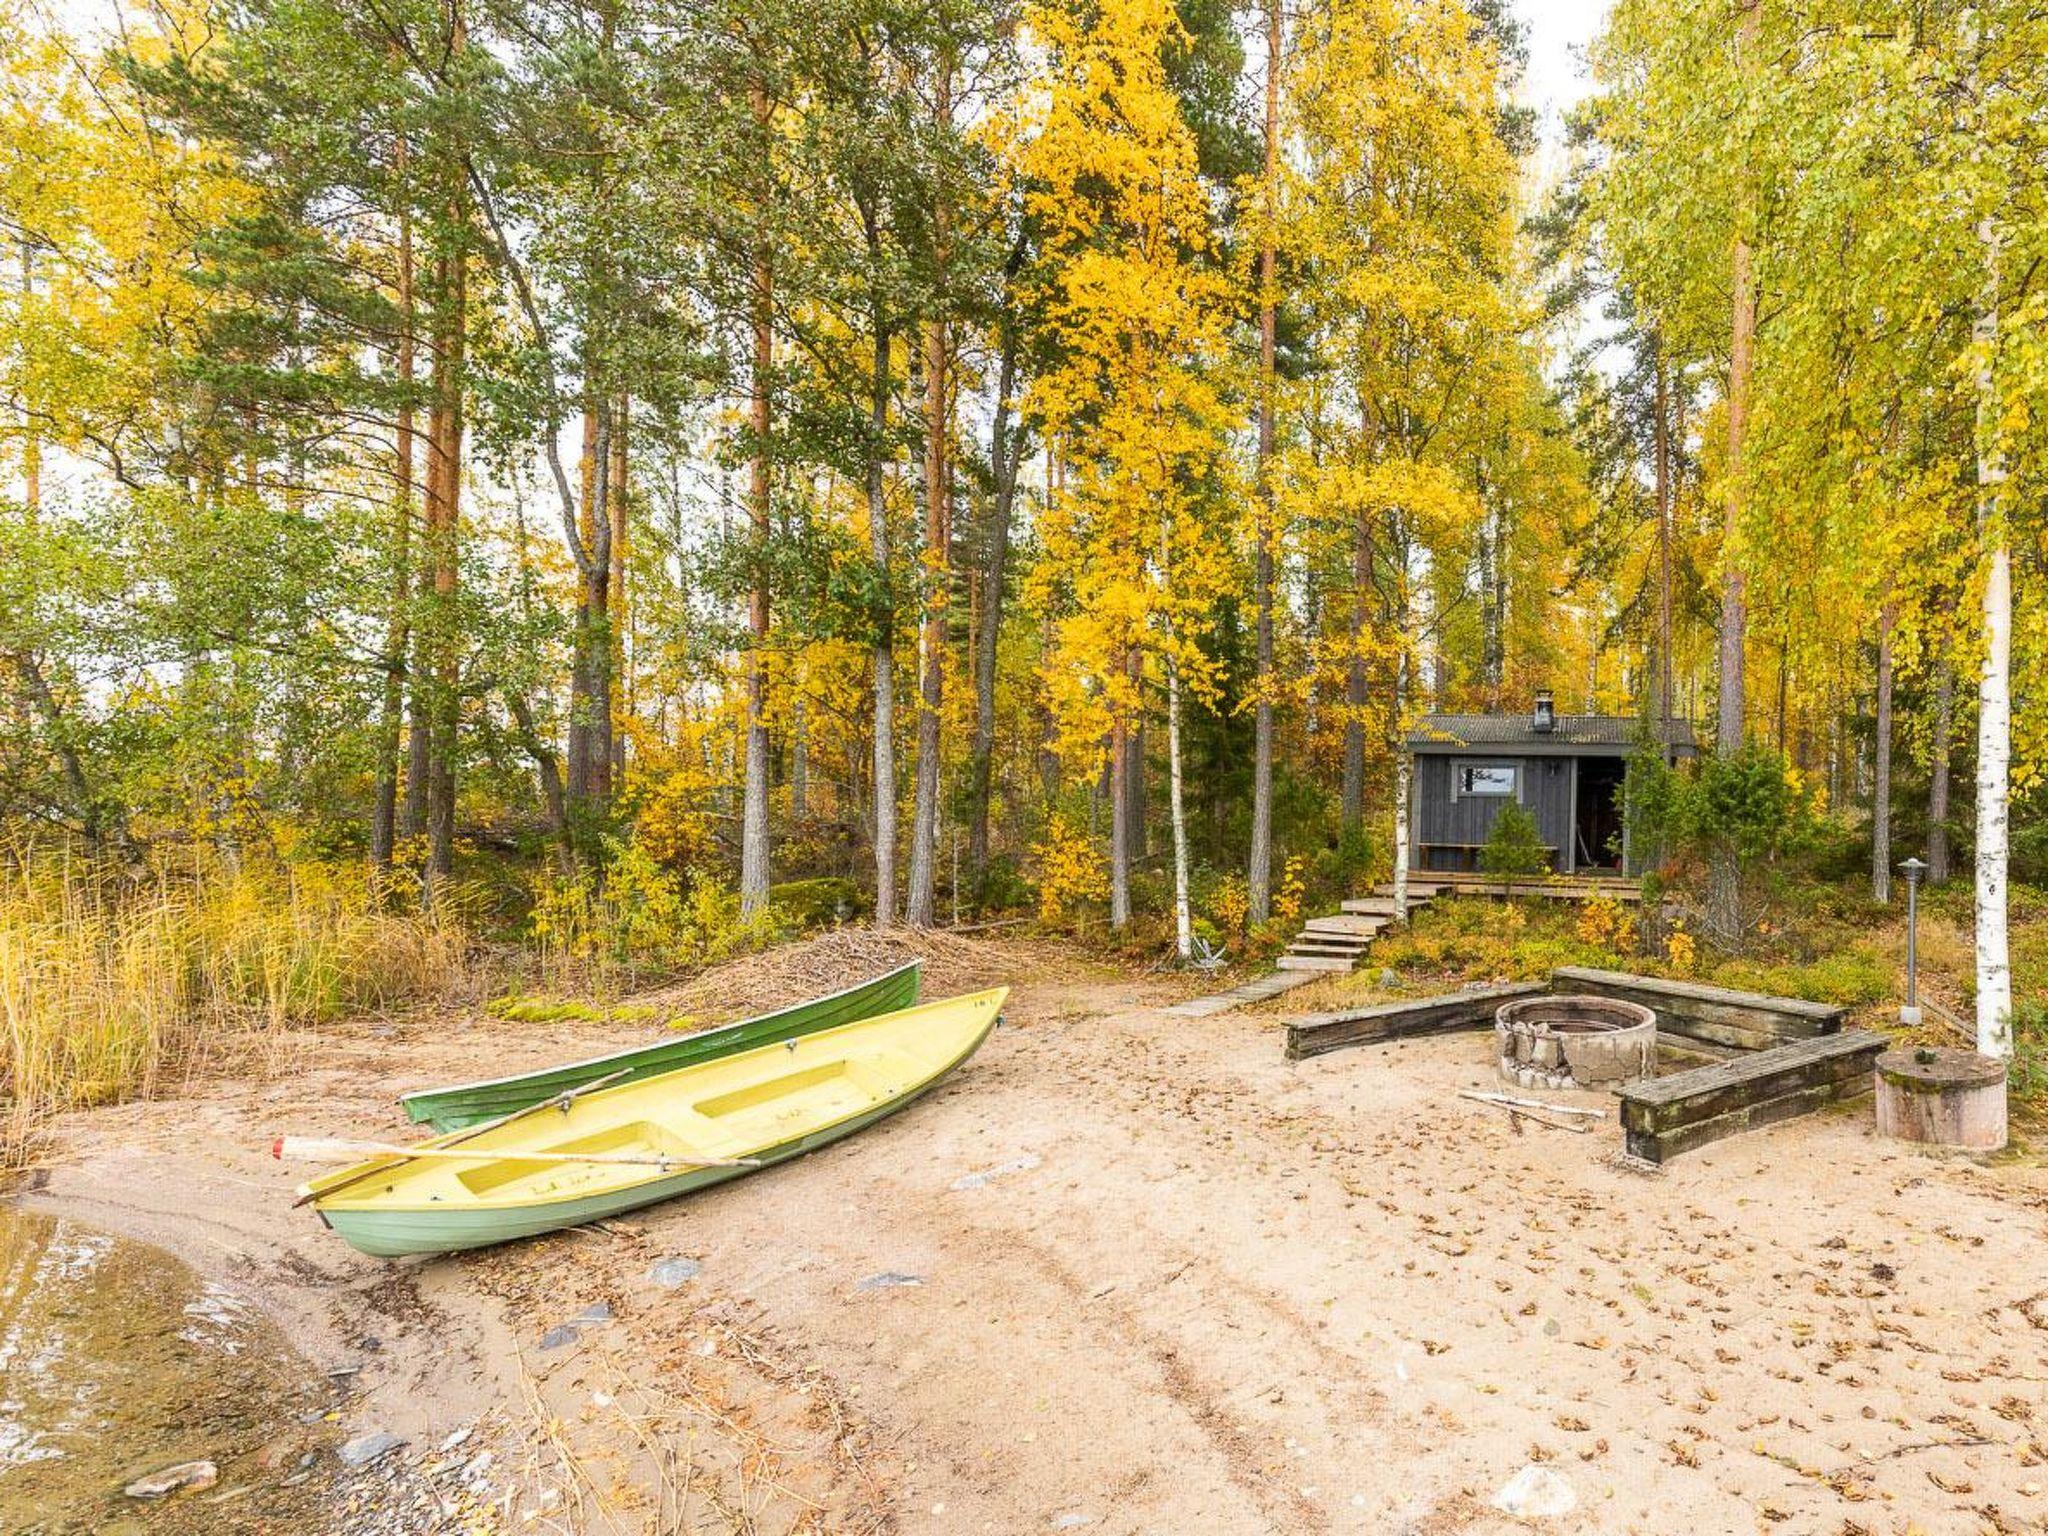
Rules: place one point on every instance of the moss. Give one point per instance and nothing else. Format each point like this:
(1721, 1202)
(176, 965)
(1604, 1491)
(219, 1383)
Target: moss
(814, 903)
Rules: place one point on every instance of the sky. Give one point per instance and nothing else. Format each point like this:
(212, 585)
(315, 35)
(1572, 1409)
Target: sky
(1558, 32)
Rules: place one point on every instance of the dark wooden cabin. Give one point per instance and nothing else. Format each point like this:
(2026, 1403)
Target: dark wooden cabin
(1566, 770)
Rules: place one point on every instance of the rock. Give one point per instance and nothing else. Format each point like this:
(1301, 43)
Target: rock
(186, 1474)
(1536, 1493)
(670, 1273)
(596, 1312)
(887, 1280)
(560, 1336)
(1072, 1521)
(374, 1446)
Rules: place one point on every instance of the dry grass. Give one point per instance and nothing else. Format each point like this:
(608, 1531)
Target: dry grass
(112, 984)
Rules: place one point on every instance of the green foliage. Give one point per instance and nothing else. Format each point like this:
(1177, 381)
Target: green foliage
(1855, 976)
(1513, 844)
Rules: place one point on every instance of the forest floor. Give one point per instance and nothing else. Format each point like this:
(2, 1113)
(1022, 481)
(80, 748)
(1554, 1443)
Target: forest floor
(1126, 1273)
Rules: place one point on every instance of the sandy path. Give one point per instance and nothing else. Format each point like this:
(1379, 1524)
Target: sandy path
(1208, 1291)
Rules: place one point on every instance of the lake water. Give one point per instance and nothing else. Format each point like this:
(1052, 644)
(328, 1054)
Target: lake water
(117, 1361)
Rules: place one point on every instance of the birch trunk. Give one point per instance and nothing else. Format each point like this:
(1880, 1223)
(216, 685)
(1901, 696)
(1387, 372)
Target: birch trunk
(621, 672)
(1663, 470)
(1724, 877)
(1119, 824)
(1994, 689)
(1183, 918)
(754, 806)
(1881, 786)
(398, 627)
(1404, 769)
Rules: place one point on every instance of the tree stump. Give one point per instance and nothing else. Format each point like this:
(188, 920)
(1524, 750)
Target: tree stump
(1942, 1098)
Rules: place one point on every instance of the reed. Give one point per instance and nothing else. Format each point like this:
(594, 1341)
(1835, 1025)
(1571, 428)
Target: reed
(114, 983)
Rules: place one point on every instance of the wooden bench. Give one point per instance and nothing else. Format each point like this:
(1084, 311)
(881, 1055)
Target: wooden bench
(1314, 1033)
(1718, 1016)
(1465, 856)
(1669, 1115)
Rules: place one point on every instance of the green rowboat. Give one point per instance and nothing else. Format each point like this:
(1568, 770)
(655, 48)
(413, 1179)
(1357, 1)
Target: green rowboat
(466, 1104)
(617, 1149)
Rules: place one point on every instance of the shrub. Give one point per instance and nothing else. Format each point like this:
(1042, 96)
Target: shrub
(2029, 1081)
(597, 929)
(1229, 904)
(1293, 890)
(1071, 871)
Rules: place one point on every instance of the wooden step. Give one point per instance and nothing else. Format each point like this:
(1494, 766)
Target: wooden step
(1369, 926)
(1378, 906)
(1315, 963)
(1313, 946)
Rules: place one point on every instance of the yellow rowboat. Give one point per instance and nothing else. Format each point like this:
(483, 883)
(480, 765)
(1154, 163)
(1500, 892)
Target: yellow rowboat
(650, 1140)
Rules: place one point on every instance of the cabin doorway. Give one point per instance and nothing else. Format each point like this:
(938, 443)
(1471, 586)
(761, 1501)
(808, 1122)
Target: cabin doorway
(1597, 825)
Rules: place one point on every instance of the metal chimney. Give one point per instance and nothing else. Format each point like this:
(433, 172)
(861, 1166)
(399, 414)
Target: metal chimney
(1545, 718)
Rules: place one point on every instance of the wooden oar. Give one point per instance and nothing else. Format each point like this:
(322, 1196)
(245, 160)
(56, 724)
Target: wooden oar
(560, 1101)
(334, 1148)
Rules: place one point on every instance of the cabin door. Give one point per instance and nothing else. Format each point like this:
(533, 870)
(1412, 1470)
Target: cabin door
(1596, 832)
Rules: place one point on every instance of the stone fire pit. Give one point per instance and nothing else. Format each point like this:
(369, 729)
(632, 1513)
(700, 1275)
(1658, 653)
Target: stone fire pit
(1575, 1042)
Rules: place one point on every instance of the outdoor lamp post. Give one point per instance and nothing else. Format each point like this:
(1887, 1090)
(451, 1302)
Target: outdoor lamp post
(1912, 869)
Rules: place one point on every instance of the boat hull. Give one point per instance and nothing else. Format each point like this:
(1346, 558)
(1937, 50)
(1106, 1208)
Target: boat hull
(398, 1230)
(466, 1104)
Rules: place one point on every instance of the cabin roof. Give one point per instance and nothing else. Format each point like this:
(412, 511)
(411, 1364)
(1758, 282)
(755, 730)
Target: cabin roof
(1517, 736)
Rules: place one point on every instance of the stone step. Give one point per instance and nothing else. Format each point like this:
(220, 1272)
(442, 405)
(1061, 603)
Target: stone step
(1292, 962)
(1257, 990)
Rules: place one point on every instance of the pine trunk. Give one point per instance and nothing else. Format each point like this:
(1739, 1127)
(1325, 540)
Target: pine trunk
(1355, 680)
(884, 657)
(444, 513)
(1942, 749)
(1005, 447)
(1259, 876)
(920, 907)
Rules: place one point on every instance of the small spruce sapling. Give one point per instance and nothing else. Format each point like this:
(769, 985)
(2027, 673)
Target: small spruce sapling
(1514, 846)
